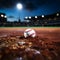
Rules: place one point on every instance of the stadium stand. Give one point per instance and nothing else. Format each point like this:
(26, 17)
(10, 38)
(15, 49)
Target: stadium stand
(44, 20)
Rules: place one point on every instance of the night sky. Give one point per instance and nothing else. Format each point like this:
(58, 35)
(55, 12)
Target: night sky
(30, 8)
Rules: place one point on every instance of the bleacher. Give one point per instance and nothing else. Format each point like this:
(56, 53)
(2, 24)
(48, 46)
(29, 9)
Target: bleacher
(44, 20)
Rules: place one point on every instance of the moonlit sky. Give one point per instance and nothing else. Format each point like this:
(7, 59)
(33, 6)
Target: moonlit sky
(30, 8)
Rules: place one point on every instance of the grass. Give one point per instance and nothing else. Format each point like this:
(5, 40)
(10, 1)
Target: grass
(32, 27)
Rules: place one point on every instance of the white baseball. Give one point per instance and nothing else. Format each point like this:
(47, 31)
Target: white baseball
(29, 32)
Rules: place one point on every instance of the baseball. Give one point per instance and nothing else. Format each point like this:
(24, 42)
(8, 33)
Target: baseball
(29, 32)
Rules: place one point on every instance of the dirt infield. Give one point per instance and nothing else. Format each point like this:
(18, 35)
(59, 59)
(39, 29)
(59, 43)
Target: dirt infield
(49, 33)
(46, 43)
(23, 28)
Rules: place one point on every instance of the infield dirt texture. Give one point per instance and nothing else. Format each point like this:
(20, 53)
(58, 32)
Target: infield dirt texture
(47, 33)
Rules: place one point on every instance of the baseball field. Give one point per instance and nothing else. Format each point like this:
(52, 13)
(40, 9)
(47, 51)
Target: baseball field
(50, 33)
(47, 42)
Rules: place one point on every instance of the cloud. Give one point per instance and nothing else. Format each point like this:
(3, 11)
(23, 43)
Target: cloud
(11, 17)
(28, 4)
(7, 3)
(34, 4)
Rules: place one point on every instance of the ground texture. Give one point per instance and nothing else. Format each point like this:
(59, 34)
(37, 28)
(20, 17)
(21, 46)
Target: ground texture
(46, 43)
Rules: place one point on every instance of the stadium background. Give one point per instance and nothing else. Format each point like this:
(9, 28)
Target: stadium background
(32, 21)
(47, 40)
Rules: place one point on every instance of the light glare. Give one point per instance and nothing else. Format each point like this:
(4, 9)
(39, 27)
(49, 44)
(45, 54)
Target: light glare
(26, 17)
(29, 17)
(2, 15)
(35, 16)
(5, 16)
(19, 6)
(57, 14)
(42, 16)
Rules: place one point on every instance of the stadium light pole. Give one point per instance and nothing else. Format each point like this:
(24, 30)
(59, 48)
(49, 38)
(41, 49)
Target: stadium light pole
(19, 7)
